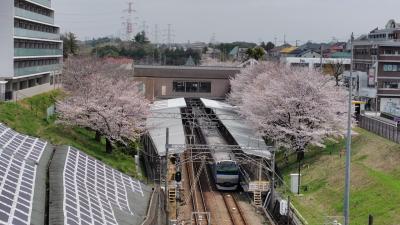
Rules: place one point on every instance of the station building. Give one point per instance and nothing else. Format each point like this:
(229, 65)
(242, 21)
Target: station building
(165, 82)
(31, 49)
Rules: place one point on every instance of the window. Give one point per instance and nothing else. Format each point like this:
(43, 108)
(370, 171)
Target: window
(391, 85)
(391, 67)
(179, 86)
(192, 86)
(205, 87)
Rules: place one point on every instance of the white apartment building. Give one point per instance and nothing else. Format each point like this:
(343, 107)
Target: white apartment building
(30, 48)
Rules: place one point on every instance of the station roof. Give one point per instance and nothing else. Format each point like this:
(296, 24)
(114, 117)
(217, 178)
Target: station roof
(195, 72)
(244, 136)
(166, 114)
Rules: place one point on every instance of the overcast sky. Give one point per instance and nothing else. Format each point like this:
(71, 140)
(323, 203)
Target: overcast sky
(230, 20)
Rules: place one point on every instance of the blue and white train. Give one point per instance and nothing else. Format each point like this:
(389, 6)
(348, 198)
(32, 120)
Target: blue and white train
(225, 171)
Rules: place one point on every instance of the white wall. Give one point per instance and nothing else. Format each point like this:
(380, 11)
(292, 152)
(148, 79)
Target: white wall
(29, 92)
(6, 38)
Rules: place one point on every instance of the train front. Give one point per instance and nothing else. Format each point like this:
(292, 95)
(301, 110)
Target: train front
(226, 175)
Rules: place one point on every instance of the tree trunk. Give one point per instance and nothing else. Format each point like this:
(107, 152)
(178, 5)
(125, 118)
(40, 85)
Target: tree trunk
(109, 147)
(97, 136)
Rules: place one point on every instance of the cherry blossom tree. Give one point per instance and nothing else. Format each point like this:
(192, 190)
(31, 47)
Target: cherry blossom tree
(245, 79)
(294, 107)
(104, 98)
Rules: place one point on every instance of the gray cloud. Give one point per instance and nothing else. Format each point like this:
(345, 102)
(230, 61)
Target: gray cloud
(230, 20)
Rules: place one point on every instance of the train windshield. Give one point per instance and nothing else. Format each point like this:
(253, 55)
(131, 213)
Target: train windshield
(227, 168)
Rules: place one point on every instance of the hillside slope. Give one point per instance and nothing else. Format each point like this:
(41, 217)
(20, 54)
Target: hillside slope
(375, 181)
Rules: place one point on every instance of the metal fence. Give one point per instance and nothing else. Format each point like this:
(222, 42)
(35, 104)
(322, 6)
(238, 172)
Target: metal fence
(381, 127)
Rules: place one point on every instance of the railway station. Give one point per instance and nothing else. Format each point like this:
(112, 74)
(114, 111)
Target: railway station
(206, 158)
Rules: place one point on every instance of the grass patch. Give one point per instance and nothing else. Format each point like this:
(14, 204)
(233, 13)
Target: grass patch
(375, 183)
(29, 117)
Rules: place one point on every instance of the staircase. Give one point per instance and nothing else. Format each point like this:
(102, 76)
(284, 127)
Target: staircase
(257, 198)
(172, 194)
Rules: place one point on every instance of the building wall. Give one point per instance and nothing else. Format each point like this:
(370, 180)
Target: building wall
(6, 38)
(30, 47)
(29, 92)
(154, 88)
(311, 54)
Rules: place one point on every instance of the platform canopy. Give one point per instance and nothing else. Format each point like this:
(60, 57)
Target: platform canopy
(166, 114)
(250, 142)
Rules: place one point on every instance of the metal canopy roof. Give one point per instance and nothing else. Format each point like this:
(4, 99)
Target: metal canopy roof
(157, 125)
(244, 136)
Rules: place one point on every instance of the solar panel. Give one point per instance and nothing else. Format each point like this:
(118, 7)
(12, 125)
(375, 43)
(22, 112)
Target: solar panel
(92, 190)
(19, 156)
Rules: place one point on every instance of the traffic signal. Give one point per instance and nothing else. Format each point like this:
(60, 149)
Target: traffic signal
(178, 176)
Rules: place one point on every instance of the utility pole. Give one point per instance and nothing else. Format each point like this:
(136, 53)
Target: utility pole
(322, 56)
(288, 210)
(166, 176)
(273, 176)
(348, 142)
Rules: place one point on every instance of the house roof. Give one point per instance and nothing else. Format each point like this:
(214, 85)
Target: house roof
(234, 51)
(288, 50)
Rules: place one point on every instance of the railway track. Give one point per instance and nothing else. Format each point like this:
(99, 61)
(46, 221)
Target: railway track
(211, 205)
(200, 213)
(234, 209)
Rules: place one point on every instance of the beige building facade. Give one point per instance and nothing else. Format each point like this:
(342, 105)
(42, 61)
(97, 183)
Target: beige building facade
(164, 82)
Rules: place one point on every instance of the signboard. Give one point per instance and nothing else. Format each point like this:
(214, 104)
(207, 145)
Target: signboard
(391, 106)
(371, 77)
(50, 111)
(283, 207)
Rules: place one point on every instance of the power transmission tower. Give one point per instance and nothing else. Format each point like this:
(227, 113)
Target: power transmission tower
(213, 40)
(128, 23)
(155, 34)
(169, 34)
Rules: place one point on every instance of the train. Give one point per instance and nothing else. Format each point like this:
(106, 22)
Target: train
(225, 169)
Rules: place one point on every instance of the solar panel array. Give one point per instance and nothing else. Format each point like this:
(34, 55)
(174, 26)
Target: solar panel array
(92, 189)
(19, 156)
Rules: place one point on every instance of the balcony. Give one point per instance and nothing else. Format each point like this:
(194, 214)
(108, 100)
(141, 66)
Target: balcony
(35, 34)
(33, 16)
(36, 69)
(46, 3)
(26, 52)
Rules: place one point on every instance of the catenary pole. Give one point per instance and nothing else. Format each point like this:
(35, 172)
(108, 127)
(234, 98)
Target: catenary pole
(166, 175)
(348, 142)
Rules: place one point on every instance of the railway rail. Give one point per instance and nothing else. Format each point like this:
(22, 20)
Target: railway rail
(200, 213)
(234, 209)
